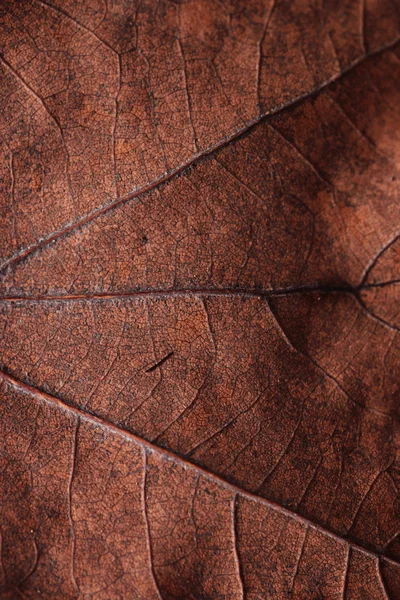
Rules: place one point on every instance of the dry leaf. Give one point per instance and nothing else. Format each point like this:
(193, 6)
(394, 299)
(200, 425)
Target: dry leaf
(199, 300)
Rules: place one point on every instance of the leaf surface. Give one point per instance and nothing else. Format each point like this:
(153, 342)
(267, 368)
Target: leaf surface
(100, 100)
(199, 317)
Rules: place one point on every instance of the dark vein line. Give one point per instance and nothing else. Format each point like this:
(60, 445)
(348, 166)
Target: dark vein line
(78, 24)
(236, 554)
(377, 257)
(299, 559)
(31, 92)
(373, 315)
(188, 99)
(320, 368)
(239, 132)
(69, 496)
(380, 284)
(271, 9)
(147, 524)
(52, 401)
(203, 291)
(346, 574)
(34, 563)
(53, 118)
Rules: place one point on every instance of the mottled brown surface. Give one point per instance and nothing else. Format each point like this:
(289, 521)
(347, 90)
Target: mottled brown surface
(102, 99)
(199, 311)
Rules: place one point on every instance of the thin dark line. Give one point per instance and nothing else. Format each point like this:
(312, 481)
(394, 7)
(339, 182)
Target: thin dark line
(204, 291)
(377, 257)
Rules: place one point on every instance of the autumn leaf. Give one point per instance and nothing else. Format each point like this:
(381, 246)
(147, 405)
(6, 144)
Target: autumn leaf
(199, 300)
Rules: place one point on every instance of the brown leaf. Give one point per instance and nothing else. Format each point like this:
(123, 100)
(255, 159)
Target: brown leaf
(200, 327)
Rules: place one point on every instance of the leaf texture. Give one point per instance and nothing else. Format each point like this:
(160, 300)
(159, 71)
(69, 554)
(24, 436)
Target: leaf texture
(101, 100)
(183, 533)
(199, 320)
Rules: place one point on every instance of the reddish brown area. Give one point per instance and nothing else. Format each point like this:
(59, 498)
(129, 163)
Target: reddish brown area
(199, 300)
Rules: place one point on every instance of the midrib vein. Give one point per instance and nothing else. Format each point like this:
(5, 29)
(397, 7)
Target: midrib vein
(44, 241)
(203, 291)
(62, 405)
